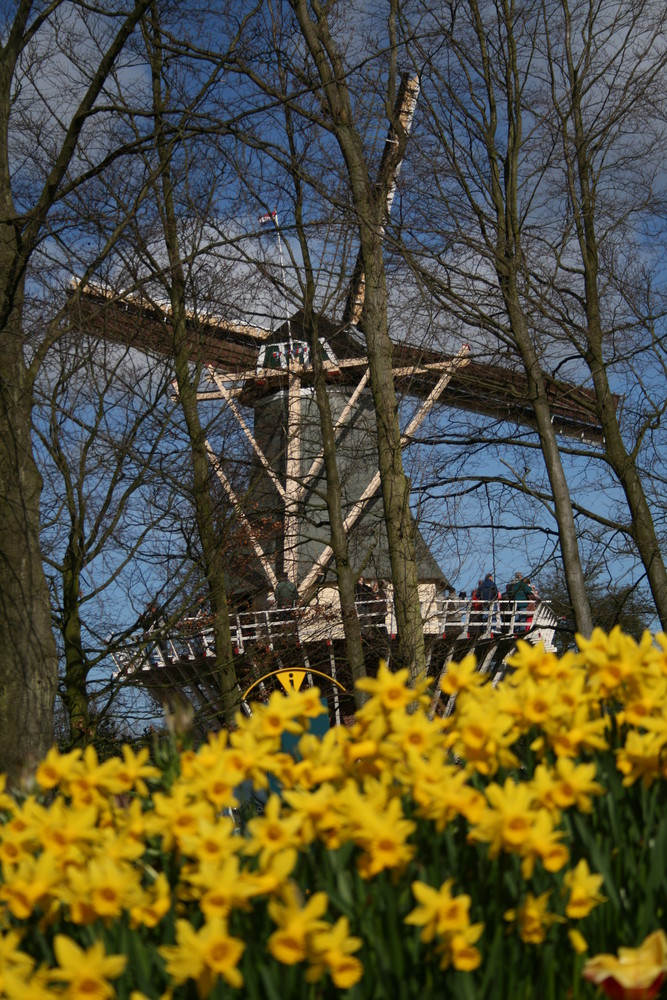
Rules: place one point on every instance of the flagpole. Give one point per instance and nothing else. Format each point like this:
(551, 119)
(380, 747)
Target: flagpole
(274, 216)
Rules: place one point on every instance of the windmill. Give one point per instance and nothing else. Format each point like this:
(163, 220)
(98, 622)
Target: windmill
(265, 379)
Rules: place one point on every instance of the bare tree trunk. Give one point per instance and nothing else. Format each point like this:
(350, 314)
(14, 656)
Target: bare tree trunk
(509, 258)
(212, 555)
(345, 572)
(75, 693)
(28, 661)
(563, 513)
(370, 207)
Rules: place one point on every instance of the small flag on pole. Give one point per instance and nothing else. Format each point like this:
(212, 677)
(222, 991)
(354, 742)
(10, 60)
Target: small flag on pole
(269, 217)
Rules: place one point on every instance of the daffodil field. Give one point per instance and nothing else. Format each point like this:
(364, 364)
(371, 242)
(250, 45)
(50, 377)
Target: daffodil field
(506, 850)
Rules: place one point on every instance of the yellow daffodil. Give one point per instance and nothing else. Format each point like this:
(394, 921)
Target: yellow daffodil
(308, 703)
(26, 821)
(13, 961)
(279, 715)
(533, 918)
(154, 905)
(211, 842)
(611, 659)
(271, 876)
(536, 702)
(533, 661)
(509, 818)
(635, 974)
(86, 972)
(414, 733)
(15, 846)
(439, 912)
(273, 832)
(216, 784)
(295, 921)
(135, 770)
(204, 955)
(313, 807)
(543, 841)
(567, 784)
(250, 754)
(458, 949)
(91, 781)
(31, 885)
(442, 792)
(463, 676)
(581, 732)
(584, 891)
(391, 690)
(57, 768)
(377, 824)
(332, 951)
(36, 986)
(641, 757)
(177, 815)
(322, 760)
(483, 738)
(68, 833)
(101, 889)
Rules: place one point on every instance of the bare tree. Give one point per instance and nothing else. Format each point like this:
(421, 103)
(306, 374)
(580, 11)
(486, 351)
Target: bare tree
(550, 146)
(475, 61)
(607, 69)
(28, 200)
(100, 420)
(332, 76)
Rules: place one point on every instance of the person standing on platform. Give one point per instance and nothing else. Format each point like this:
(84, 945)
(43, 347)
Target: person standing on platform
(286, 595)
(476, 624)
(520, 592)
(488, 593)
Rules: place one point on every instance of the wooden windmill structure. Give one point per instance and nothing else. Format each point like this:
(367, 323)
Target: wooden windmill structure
(265, 379)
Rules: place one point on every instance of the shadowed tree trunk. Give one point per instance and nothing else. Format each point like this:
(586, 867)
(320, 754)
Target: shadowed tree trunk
(29, 671)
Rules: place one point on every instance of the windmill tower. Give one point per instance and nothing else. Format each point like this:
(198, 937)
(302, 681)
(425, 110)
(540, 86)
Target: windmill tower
(286, 437)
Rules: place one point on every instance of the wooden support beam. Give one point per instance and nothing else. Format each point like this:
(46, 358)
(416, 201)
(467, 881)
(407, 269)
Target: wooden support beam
(243, 520)
(292, 473)
(358, 508)
(226, 394)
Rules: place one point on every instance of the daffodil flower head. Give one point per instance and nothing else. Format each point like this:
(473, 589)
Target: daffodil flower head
(633, 974)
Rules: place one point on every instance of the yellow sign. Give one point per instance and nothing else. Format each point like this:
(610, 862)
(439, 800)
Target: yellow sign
(291, 680)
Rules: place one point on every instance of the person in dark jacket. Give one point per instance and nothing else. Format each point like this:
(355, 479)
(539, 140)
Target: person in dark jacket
(488, 593)
(285, 592)
(520, 592)
(487, 589)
